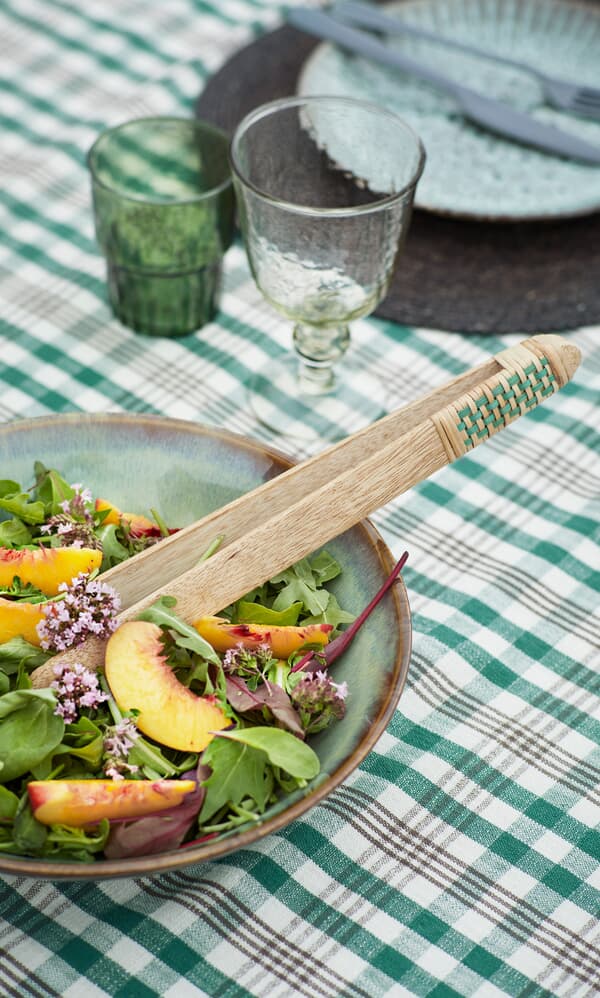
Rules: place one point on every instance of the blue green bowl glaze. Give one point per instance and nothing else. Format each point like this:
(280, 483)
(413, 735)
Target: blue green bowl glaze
(185, 471)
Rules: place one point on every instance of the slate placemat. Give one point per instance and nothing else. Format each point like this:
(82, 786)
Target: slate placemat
(464, 276)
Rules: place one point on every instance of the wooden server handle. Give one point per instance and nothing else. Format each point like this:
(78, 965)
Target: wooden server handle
(286, 519)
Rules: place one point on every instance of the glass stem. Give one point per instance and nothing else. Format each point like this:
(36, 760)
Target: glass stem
(318, 348)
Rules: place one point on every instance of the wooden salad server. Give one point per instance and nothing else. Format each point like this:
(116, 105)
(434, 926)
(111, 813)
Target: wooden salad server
(270, 528)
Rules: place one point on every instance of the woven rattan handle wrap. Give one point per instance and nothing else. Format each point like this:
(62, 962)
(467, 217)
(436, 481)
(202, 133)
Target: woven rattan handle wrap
(529, 373)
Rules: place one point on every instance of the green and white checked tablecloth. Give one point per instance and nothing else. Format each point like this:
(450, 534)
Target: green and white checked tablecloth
(462, 858)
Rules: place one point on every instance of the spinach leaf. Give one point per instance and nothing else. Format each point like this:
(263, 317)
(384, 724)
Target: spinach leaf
(9, 803)
(83, 740)
(14, 534)
(29, 835)
(29, 730)
(281, 748)
(18, 650)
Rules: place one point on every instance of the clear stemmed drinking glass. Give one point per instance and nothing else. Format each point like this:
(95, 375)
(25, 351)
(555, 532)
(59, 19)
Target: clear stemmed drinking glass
(325, 187)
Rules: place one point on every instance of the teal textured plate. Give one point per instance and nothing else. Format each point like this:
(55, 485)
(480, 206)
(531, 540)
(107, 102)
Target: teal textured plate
(469, 172)
(184, 471)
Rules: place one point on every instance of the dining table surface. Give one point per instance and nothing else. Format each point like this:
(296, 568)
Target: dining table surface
(462, 856)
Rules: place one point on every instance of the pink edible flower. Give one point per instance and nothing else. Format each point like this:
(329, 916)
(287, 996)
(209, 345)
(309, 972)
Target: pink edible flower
(117, 743)
(319, 701)
(75, 687)
(88, 607)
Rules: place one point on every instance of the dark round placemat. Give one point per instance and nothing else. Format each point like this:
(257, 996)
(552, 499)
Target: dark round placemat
(463, 276)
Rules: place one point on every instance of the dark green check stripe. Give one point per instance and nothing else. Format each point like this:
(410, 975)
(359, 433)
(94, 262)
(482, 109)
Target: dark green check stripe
(541, 811)
(505, 845)
(559, 612)
(41, 106)
(500, 675)
(504, 529)
(570, 777)
(496, 619)
(377, 892)
(61, 230)
(85, 376)
(40, 139)
(105, 63)
(537, 505)
(470, 889)
(265, 944)
(91, 961)
(35, 254)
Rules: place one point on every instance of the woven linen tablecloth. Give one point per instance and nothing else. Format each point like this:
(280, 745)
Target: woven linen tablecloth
(462, 857)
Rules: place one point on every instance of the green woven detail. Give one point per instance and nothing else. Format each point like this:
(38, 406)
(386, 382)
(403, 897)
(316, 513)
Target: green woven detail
(479, 421)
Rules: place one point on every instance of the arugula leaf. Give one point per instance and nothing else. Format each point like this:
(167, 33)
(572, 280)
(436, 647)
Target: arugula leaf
(20, 504)
(255, 613)
(161, 613)
(324, 567)
(113, 552)
(299, 585)
(29, 731)
(28, 592)
(51, 489)
(282, 749)
(76, 843)
(238, 772)
(332, 614)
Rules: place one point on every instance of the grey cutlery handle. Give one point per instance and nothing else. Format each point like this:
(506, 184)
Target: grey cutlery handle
(487, 112)
(317, 22)
(363, 15)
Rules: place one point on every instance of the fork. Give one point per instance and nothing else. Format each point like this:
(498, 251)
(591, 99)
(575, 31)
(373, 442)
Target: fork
(581, 100)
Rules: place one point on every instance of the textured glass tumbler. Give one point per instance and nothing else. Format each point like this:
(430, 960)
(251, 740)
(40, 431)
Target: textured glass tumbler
(163, 209)
(325, 187)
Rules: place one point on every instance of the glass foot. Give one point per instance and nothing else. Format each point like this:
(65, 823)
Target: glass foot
(290, 407)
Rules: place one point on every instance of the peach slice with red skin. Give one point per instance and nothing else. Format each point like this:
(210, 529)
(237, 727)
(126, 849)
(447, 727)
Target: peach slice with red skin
(139, 526)
(282, 640)
(86, 802)
(19, 619)
(140, 678)
(46, 568)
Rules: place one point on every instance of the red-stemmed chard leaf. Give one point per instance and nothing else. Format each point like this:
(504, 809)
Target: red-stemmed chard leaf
(161, 831)
(269, 695)
(315, 662)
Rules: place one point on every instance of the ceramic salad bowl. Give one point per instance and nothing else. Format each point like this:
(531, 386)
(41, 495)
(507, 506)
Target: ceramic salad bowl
(184, 471)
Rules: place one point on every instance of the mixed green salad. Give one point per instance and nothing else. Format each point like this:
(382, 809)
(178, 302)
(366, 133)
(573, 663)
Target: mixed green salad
(190, 732)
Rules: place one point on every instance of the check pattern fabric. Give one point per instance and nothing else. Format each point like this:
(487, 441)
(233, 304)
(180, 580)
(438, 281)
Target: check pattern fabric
(462, 857)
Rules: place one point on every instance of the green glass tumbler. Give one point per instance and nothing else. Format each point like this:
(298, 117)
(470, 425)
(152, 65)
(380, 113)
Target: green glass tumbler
(164, 215)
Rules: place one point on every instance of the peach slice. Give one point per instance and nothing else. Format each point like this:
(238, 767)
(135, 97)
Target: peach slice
(222, 635)
(46, 568)
(19, 619)
(140, 678)
(86, 802)
(139, 526)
